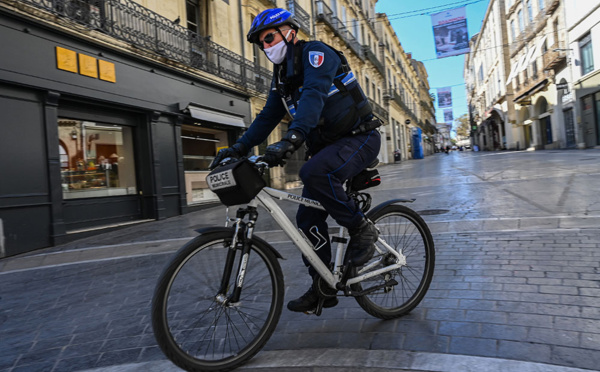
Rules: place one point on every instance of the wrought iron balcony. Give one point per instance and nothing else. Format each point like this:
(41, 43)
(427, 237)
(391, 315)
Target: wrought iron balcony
(326, 15)
(551, 6)
(373, 59)
(512, 9)
(554, 56)
(300, 14)
(148, 31)
(379, 111)
(398, 99)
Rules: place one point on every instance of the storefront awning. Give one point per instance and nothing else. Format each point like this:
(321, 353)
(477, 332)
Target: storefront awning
(201, 113)
(524, 98)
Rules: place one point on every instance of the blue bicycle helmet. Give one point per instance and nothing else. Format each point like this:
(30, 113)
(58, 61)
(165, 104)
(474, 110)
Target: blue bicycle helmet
(270, 18)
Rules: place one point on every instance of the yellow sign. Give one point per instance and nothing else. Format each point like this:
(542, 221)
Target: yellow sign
(88, 66)
(221, 148)
(107, 71)
(66, 59)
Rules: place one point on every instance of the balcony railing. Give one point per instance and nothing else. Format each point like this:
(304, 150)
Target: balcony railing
(325, 14)
(554, 56)
(373, 59)
(300, 14)
(148, 31)
(398, 99)
(529, 78)
(512, 9)
(551, 6)
(379, 111)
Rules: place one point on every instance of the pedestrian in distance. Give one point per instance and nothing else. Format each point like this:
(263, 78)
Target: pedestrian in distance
(332, 117)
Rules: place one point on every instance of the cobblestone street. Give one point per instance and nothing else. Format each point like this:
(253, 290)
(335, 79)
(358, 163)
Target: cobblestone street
(517, 279)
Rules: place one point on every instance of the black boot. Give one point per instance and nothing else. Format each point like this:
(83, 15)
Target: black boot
(308, 302)
(362, 243)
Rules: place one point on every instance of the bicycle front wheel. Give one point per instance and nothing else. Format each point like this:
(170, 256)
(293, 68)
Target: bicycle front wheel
(406, 232)
(195, 326)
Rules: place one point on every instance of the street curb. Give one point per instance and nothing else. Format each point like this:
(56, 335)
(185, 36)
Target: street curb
(361, 360)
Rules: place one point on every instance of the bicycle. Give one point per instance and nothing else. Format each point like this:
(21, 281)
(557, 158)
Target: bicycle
(219, 299)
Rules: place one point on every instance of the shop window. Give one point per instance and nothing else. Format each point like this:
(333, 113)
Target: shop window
(199, 147)
(96, 159)
(587, 59)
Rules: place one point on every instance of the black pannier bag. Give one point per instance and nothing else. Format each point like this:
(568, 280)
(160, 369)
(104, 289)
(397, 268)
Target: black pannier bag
(235, 183)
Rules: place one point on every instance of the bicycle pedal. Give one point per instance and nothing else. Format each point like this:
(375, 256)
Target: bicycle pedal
(312, 312)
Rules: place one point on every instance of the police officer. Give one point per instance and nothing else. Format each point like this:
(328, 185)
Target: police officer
(313, 83)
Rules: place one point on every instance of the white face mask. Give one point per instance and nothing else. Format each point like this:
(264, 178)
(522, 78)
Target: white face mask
(276, 53)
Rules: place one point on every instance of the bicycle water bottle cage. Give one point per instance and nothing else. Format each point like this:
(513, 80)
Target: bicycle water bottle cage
(235, 183)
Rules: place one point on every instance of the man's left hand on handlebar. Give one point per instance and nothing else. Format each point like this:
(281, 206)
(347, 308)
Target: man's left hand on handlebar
(278, 152)
(236, 151)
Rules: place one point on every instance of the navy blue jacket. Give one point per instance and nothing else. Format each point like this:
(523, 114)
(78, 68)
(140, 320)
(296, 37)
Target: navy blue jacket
(316, 100)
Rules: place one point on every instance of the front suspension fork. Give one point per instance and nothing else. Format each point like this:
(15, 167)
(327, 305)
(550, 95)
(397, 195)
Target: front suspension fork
(242, 234)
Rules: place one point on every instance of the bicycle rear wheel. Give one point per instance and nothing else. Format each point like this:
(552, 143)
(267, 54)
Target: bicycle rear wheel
(193, 325)
(405, 231)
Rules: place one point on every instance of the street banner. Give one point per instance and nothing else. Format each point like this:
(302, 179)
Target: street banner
(450, 32)
(444, 97)
(448, 118)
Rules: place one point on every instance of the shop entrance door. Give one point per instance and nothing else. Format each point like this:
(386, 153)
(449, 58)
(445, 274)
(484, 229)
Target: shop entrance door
(528, 135)
(569, 127)
(589, 127)
(597, 95)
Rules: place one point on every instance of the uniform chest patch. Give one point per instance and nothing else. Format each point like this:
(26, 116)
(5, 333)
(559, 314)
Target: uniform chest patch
(316, 59)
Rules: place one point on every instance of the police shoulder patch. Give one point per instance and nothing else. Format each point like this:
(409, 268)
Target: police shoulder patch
(316, 58)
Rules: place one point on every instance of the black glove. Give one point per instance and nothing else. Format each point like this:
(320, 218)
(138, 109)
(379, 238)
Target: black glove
(236, 151)
(278, 152)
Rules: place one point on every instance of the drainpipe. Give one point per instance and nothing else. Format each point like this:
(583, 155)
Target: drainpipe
(314, 20)
(242, 38)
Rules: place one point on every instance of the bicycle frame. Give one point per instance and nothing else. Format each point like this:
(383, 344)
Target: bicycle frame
(266, 198)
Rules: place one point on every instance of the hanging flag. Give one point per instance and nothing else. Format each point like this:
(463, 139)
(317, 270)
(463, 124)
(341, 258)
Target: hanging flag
(450, 32)
(448, 117)
(444, 97)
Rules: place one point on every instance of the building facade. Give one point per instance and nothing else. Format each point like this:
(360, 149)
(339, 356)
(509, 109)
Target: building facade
(580, 89)
(540, 40)
(113, 109)
(489, 99)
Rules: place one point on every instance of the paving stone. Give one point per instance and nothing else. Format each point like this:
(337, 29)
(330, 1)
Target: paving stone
(473, 346)
(582, 358)
(118, 357)
(590, 340)
(77, 363)
(503, 331)
(519, 350)
(555, 336)
(467, 329)
(486, 316)
(38, 367)
(427, 343)
(576, 324)
(522, 295)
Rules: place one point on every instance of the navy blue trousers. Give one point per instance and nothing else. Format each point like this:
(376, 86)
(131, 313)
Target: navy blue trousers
(323, 176)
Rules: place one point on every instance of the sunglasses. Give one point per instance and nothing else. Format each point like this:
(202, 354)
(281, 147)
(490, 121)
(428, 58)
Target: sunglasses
(269, 38)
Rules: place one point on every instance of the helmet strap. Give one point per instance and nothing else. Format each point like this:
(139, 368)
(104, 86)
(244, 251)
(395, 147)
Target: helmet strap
(288, 43)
